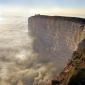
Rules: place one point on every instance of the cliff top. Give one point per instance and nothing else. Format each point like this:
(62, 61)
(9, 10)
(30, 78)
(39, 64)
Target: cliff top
(74, 19)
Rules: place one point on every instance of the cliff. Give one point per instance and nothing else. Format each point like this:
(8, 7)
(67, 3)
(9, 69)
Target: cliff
(55, 38)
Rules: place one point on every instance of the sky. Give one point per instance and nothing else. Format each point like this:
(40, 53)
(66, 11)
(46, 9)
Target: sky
(47, 7)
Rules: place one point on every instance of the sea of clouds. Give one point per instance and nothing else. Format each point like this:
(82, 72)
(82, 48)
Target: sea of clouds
(19, 63)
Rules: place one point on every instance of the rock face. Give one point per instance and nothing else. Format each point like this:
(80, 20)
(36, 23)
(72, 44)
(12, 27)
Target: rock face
(74, 72)
(56, 37)
(79, 60)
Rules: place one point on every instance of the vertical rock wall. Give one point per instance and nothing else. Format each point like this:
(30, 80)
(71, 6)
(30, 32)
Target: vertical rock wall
(55, 38)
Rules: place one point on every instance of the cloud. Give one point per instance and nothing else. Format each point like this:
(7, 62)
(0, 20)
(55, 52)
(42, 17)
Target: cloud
(75, 12)
(14, 11)
(29, 11)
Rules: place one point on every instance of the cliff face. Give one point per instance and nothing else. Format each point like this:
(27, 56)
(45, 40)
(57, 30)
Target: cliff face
(56, 37)
(74, 72)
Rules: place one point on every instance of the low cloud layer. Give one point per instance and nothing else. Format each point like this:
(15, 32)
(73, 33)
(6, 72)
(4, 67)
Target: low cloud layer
(19, 63)
(24, 65)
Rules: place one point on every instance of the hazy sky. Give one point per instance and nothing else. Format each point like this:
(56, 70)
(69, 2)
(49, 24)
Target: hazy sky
(51, 7)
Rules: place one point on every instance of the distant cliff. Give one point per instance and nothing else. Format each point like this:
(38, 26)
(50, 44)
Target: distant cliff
(56, 37)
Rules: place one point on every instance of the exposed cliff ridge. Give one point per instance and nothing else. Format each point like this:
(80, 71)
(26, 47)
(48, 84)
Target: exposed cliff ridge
(74, 19)
(55, 39)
